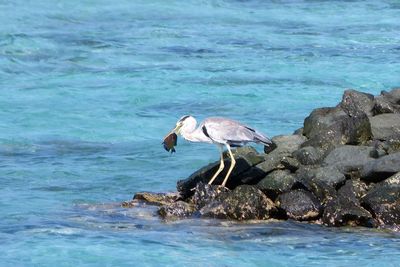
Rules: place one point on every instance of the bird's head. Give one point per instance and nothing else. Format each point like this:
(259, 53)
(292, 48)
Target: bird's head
(184, 124)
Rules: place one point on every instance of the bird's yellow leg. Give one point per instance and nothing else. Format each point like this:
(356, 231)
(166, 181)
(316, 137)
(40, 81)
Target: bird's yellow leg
(221, 167)
(233, 162)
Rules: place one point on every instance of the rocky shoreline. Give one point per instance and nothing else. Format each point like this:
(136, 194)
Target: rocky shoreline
(342, 168)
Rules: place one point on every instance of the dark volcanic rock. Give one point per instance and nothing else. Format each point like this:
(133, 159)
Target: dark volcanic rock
(342, 211)
(354, 103)
(287, 144)
(245, 202)
(276, 182)
(327, 128)
(179, 209)
(350, 158)
(384, 104)
(385, 125)
(392, 144)
(245, 157)
(299, 205)
(384, 201)
(321, 181)
(308, 155)
(354, 190)
(205, 193)
(381, 168)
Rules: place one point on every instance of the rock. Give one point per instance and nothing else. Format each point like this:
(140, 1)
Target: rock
(354, 190)
(384, 104)
(156, 198)
(384, 201)
(342, 211)
(299, 205)
(308, 155)
(385, 125)
(245, 158)
(394, 95)
(276, 182)
(179, 209)
(328, 128)
(290, 163)
(205, 193)
(287, 144)
(319, 182)
(354, 103)
(392, 144)
(245, 202)
(381, 168)
(350, 158)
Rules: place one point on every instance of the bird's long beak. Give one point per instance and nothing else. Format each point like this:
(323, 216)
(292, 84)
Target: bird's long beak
(175, 130)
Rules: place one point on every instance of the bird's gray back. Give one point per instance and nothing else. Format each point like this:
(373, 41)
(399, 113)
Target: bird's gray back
(224, 130)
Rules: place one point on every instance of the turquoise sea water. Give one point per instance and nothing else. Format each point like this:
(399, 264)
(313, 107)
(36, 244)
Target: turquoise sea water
(89, 88)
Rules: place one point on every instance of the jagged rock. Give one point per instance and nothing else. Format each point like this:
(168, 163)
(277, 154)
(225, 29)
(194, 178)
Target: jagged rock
(276, 182)
(299, 205)
(384, 104)
(342, 211)
(245, 202)
(205, 193)
(354, 103)
(383, 200)
(245, 158)
(350, 158)
(385, 125)
(381, 168)
(290, 163)
(319, 182)
(156, 198)
(392, 144)
(308, 155)
(354, 190)
(179, 209)
(328, 128)
(287, 144)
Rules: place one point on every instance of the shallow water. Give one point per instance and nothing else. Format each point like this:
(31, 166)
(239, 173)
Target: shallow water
(89, 88)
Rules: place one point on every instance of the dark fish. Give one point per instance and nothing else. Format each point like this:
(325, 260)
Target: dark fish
(170, 142)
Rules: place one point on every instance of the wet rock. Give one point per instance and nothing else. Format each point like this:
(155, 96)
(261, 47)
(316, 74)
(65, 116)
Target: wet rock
(381, 168)
(354, 103)
(342, 211)
(156, 198)
(319, 181)
(179, 209)
(350, 158)
(328, 128)
(290, 163)
(276, 182)
(385, 125)
(245, 202)
(354, 190)
(299, 205)
(245, 158)
(384, 201)
(205, 193)
(392, 144)
(384, 104)
(287, 144)
(308, 155)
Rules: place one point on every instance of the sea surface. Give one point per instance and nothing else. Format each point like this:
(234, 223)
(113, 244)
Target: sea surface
(88, 89)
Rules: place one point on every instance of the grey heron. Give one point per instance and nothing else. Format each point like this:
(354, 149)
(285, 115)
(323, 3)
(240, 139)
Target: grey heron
(219, 131)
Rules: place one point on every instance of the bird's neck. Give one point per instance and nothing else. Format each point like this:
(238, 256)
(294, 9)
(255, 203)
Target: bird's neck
(195, 135)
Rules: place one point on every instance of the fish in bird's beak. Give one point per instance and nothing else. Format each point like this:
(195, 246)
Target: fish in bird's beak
(170, 140)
